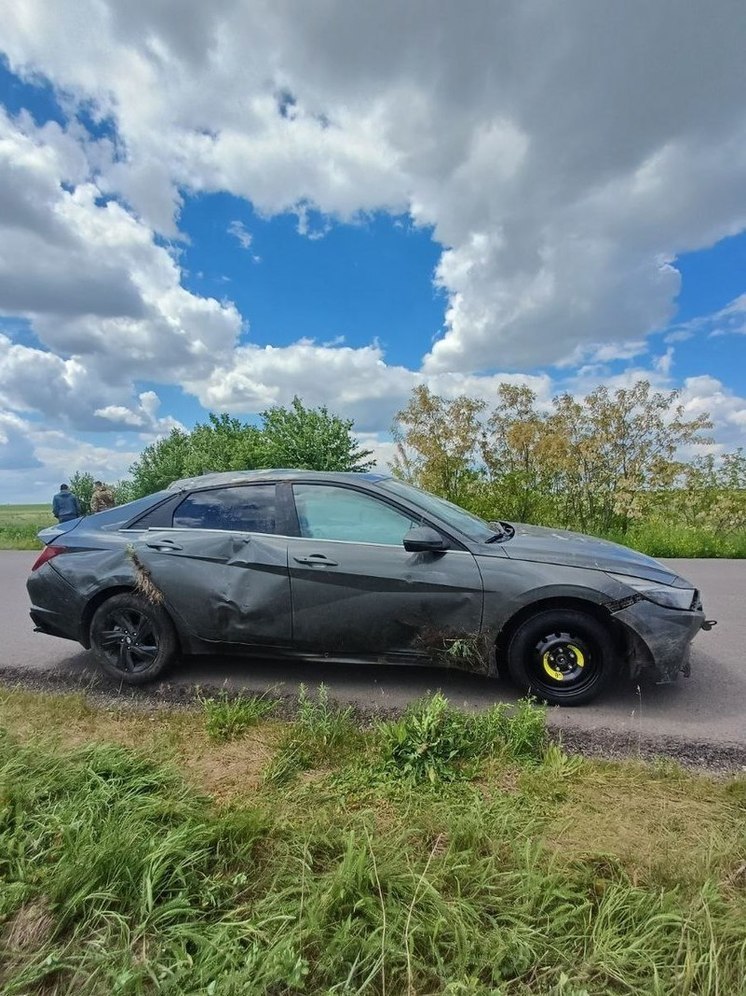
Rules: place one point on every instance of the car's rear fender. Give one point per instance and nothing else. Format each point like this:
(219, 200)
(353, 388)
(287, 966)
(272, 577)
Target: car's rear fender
(90, 609)
(118, 589)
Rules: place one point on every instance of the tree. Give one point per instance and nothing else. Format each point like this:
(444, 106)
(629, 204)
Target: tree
(124, 491)
(515, 448)
(593, 463)
(438, 443)
(81, 485)
(710, 493)
(160, 463)
(311, 439)
(223, 443)
(615, 448)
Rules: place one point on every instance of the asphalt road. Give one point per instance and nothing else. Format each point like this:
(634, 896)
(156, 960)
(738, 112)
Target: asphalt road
(709, 708)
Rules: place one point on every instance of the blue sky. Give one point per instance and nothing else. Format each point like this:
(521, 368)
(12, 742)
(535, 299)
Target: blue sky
(177, 236)
(371, 279)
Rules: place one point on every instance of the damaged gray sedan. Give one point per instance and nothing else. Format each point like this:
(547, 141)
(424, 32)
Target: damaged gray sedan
(357, 568)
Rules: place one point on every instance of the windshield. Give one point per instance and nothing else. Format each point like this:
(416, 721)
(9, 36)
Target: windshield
(470, 525)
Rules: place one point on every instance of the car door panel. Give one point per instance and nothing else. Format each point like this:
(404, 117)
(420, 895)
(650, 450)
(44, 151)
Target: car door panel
(225, 587)
(362, 599)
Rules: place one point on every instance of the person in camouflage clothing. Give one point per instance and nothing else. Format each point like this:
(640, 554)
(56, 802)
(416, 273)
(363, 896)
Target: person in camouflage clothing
(102, 497)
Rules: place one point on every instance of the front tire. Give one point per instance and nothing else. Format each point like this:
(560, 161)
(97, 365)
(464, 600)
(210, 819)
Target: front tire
(561, 656)
(134, 640)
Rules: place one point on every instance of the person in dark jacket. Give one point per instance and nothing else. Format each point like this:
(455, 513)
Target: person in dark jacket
(65, 505)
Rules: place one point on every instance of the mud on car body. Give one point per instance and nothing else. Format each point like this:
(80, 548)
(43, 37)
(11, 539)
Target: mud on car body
(357, 568)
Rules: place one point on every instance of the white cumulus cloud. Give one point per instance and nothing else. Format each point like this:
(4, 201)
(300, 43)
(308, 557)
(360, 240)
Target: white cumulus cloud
(562, 155)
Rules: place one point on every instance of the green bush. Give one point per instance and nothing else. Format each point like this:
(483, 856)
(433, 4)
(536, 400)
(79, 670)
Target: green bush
(435, 743)
(290, 436)
(660, 538)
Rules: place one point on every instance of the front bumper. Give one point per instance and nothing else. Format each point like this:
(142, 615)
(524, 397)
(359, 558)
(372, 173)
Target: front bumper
(659, 638)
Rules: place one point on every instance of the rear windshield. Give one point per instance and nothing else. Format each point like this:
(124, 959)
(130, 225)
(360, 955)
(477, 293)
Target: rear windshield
(121, 514)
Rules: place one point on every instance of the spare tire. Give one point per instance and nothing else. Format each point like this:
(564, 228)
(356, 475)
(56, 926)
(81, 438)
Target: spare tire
(562, 656)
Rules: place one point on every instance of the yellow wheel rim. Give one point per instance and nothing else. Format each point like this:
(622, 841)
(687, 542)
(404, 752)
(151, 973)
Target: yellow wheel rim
(546, 662)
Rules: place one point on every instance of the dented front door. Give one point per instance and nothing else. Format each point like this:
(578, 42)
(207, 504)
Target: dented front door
(359, 599)
(357, 592)
(225, 587)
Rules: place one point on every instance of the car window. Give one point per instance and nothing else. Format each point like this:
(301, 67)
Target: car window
(471, 525)
(249, 509)
(336, 513)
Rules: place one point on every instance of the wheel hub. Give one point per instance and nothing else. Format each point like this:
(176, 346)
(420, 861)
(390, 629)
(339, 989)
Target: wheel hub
(562, 657)
(129, 640)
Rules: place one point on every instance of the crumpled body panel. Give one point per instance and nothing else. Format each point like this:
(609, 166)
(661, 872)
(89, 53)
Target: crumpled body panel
(224, 587)
(368, 599)
(661, 639)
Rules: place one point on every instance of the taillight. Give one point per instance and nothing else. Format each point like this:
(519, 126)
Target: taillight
(48, 553)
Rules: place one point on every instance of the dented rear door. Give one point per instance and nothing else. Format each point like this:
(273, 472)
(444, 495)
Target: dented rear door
(224, 586)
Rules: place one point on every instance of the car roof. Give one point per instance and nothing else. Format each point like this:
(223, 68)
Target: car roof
(276, 474)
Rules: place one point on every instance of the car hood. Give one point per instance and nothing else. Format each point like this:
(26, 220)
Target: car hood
(559, 546)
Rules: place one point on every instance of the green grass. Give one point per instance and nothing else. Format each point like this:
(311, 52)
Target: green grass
(322, 733)
(434, 743)
(660, 539)
(230, 718)
(19, 525)
(515, 870)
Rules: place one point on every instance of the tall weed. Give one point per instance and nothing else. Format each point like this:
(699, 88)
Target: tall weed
(229, 718)
(321, 734)
(435, 743)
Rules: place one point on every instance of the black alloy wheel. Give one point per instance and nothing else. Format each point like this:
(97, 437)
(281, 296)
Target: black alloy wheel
(562, 656)
(133, 639)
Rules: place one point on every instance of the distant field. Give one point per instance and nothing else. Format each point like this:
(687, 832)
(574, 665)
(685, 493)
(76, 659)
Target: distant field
(19, 525)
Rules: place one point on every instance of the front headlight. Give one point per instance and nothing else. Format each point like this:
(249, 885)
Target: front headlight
(661, 594)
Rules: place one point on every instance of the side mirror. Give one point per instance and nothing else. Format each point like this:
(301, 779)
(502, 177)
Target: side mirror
(423, 539)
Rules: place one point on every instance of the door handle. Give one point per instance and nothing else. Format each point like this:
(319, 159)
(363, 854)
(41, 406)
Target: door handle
(163, 545)
(316, 560)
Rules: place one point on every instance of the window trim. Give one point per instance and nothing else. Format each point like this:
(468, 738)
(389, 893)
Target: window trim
(287, 521)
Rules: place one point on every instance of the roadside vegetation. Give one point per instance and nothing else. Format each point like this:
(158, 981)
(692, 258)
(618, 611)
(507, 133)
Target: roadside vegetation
(610, 464)
(292, 436)
(183, 851)
(19, 525)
